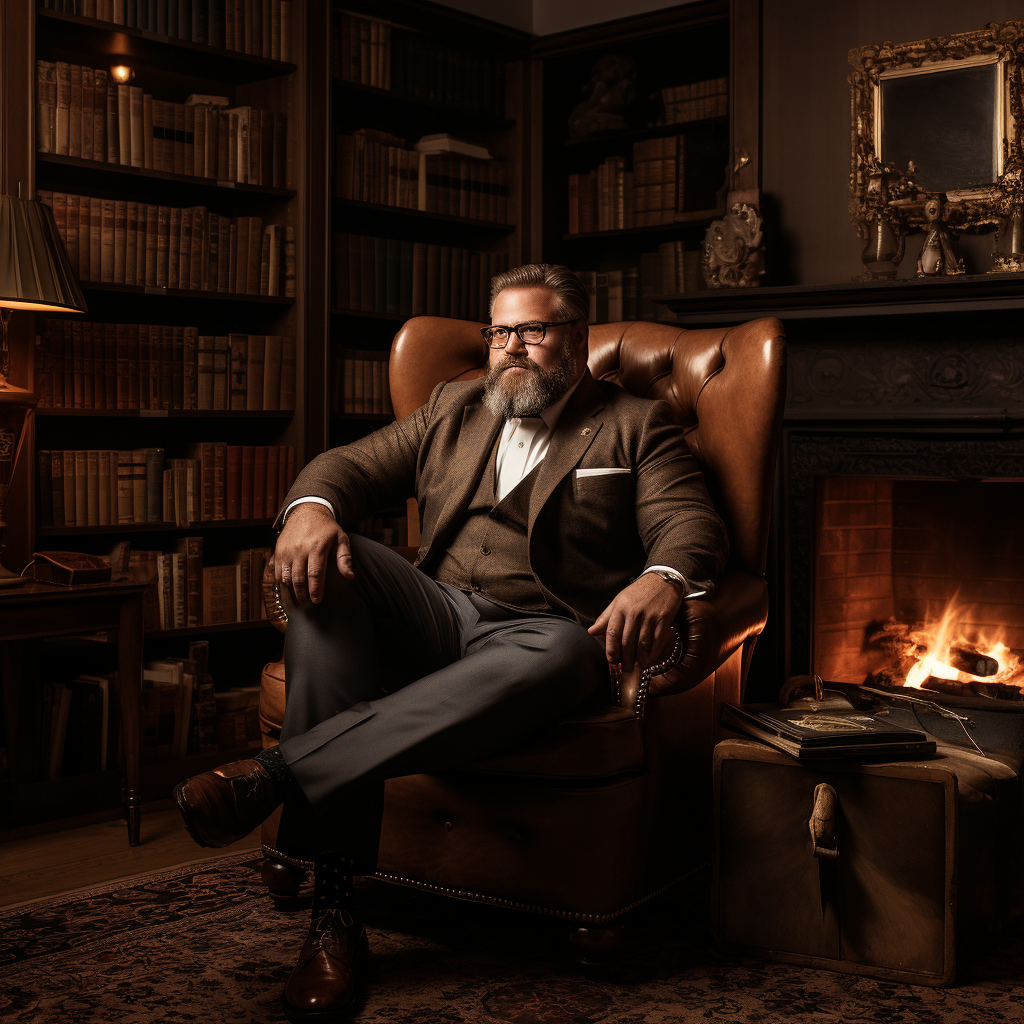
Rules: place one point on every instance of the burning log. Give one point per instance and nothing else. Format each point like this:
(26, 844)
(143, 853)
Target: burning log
(950, 686)
(998, 691)
(973, 662)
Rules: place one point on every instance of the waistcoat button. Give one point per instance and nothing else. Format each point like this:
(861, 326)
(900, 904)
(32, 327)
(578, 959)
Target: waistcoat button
(485, 550)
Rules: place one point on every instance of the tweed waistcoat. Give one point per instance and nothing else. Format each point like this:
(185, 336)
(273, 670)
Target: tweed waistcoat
(489, 554)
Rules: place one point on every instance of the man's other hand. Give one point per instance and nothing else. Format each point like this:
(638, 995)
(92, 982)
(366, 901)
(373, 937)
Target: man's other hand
(310, 538)
(636, 624)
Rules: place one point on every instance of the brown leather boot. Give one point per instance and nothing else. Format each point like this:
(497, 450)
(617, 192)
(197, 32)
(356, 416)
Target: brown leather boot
(327, 978)
(222, 806)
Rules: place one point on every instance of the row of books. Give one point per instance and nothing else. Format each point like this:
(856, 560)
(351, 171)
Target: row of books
(183, 713)
(81, 113)
(182, 592)
(87, 365)
(391, 530)
(215, 481)
(359, 382)
(670, 175)
(261, 28)
(118, 241)
(376, 167)
(696, 101)
(628, 293)
(384, 275)
(74, 725)
(369, 51)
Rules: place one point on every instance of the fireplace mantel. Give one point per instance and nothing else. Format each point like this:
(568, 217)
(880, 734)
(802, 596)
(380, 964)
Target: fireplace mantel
(964, 294)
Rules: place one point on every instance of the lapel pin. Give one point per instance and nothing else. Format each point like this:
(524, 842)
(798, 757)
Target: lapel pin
(585, 431)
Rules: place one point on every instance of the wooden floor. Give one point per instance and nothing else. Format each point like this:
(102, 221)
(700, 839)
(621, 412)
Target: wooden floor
(57, 862)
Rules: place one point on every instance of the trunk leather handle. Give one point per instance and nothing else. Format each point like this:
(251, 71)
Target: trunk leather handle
(823, 822)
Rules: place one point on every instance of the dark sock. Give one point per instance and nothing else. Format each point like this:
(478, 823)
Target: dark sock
(332, 882)
(284, 782)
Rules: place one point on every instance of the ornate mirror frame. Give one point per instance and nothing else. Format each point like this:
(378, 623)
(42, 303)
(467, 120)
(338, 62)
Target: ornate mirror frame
(999, 44)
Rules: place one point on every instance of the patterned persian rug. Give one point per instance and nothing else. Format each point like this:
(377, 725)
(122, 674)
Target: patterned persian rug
(203, 944)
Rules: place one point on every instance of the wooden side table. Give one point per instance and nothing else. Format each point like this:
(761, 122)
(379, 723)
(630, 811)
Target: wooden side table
(40, 611)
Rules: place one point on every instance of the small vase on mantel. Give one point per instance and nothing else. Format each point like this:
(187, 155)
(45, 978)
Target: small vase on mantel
(883, 227)
(884, 248)
(1008, 257)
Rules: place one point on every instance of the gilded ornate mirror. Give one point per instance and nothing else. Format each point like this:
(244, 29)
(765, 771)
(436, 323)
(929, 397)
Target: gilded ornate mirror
(939, 115)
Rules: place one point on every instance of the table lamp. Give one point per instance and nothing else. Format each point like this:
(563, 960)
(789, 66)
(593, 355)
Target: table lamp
(35, 274)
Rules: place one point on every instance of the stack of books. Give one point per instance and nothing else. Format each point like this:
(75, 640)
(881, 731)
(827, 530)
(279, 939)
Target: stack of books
(262, 28)
(215, 481)
(360, 378)
(85, 365)
(118, 241)
(696, 101)
(377, 53)
(81, 113)
(384, 275)
(182, 592)
(670, 175)
(376, 167)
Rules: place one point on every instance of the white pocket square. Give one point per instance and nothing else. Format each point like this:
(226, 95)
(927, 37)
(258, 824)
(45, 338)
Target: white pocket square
(581, 473)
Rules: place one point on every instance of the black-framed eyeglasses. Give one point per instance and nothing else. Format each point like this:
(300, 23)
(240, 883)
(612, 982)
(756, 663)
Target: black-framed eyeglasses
(531, 332)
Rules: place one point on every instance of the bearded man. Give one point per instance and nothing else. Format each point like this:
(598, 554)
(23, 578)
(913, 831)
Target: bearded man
(564, 522)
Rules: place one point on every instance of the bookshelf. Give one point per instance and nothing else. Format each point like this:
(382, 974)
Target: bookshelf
(136, 372)
(421, 70)
(627, 205)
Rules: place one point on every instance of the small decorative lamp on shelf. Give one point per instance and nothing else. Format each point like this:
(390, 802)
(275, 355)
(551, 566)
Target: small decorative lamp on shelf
(35, 274)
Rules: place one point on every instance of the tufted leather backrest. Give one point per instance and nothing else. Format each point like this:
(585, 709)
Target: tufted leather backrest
(726, 385)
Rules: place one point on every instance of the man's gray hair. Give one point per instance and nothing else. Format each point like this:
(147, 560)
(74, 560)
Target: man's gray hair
(573, 298)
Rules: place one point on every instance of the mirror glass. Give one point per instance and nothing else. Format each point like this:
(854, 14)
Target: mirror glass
(946, 122)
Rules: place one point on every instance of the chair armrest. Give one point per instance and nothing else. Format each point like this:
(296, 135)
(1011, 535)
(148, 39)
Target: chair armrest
(713, 627)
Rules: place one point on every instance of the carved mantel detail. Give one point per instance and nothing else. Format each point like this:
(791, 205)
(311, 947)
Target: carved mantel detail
(919, 378)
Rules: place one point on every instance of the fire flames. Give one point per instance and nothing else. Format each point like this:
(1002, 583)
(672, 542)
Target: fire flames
(939, 656)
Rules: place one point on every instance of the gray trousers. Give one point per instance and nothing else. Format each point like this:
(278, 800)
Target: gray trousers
(395, 674)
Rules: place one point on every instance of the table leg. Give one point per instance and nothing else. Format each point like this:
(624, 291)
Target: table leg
(129, 686)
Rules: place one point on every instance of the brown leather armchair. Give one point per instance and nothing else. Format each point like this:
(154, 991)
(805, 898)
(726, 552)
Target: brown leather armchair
(612, 805)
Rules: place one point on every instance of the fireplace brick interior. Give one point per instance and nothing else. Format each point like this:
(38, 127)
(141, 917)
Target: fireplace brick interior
(903, 548)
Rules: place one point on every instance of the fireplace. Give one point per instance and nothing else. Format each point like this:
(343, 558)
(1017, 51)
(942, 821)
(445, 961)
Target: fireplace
(894, 524)
(919, 582)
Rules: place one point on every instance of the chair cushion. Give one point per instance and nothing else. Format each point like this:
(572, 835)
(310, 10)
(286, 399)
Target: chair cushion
(593, 744)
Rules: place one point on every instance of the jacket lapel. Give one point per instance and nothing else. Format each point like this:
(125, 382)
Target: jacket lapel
(476, 439)
(573, 435)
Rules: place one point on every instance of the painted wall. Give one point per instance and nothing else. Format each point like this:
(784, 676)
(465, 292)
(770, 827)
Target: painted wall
(543, 17)
(806, 123)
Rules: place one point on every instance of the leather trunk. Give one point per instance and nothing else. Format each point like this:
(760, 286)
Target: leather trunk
(920, 852)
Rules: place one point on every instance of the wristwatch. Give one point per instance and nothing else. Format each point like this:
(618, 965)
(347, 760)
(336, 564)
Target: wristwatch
(670, 577)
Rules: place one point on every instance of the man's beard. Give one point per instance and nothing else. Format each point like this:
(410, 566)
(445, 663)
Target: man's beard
(531, 393)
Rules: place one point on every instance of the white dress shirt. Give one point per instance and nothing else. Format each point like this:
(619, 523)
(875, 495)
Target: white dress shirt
(522, 445)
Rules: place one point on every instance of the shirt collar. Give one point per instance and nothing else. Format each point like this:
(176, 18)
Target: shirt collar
(551, 414)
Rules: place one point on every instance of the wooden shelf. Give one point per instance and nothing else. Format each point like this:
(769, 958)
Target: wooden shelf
(355, 207)
(156, 414)
(220, 627)
(377, 417)
(683, 222)
(76, 33)
(965, 294)
(206, 524)
(453, 118)
(54, 170)
(612, 140)
(150, 291)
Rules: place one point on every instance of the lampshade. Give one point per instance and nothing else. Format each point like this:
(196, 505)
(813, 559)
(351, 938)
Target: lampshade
(35, 272)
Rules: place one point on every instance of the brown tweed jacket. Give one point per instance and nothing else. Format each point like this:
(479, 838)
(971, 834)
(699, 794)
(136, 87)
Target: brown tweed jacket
(589, 536)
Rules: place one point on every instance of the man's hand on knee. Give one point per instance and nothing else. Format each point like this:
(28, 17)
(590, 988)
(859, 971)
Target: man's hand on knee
(636, 623)
(310, 539)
